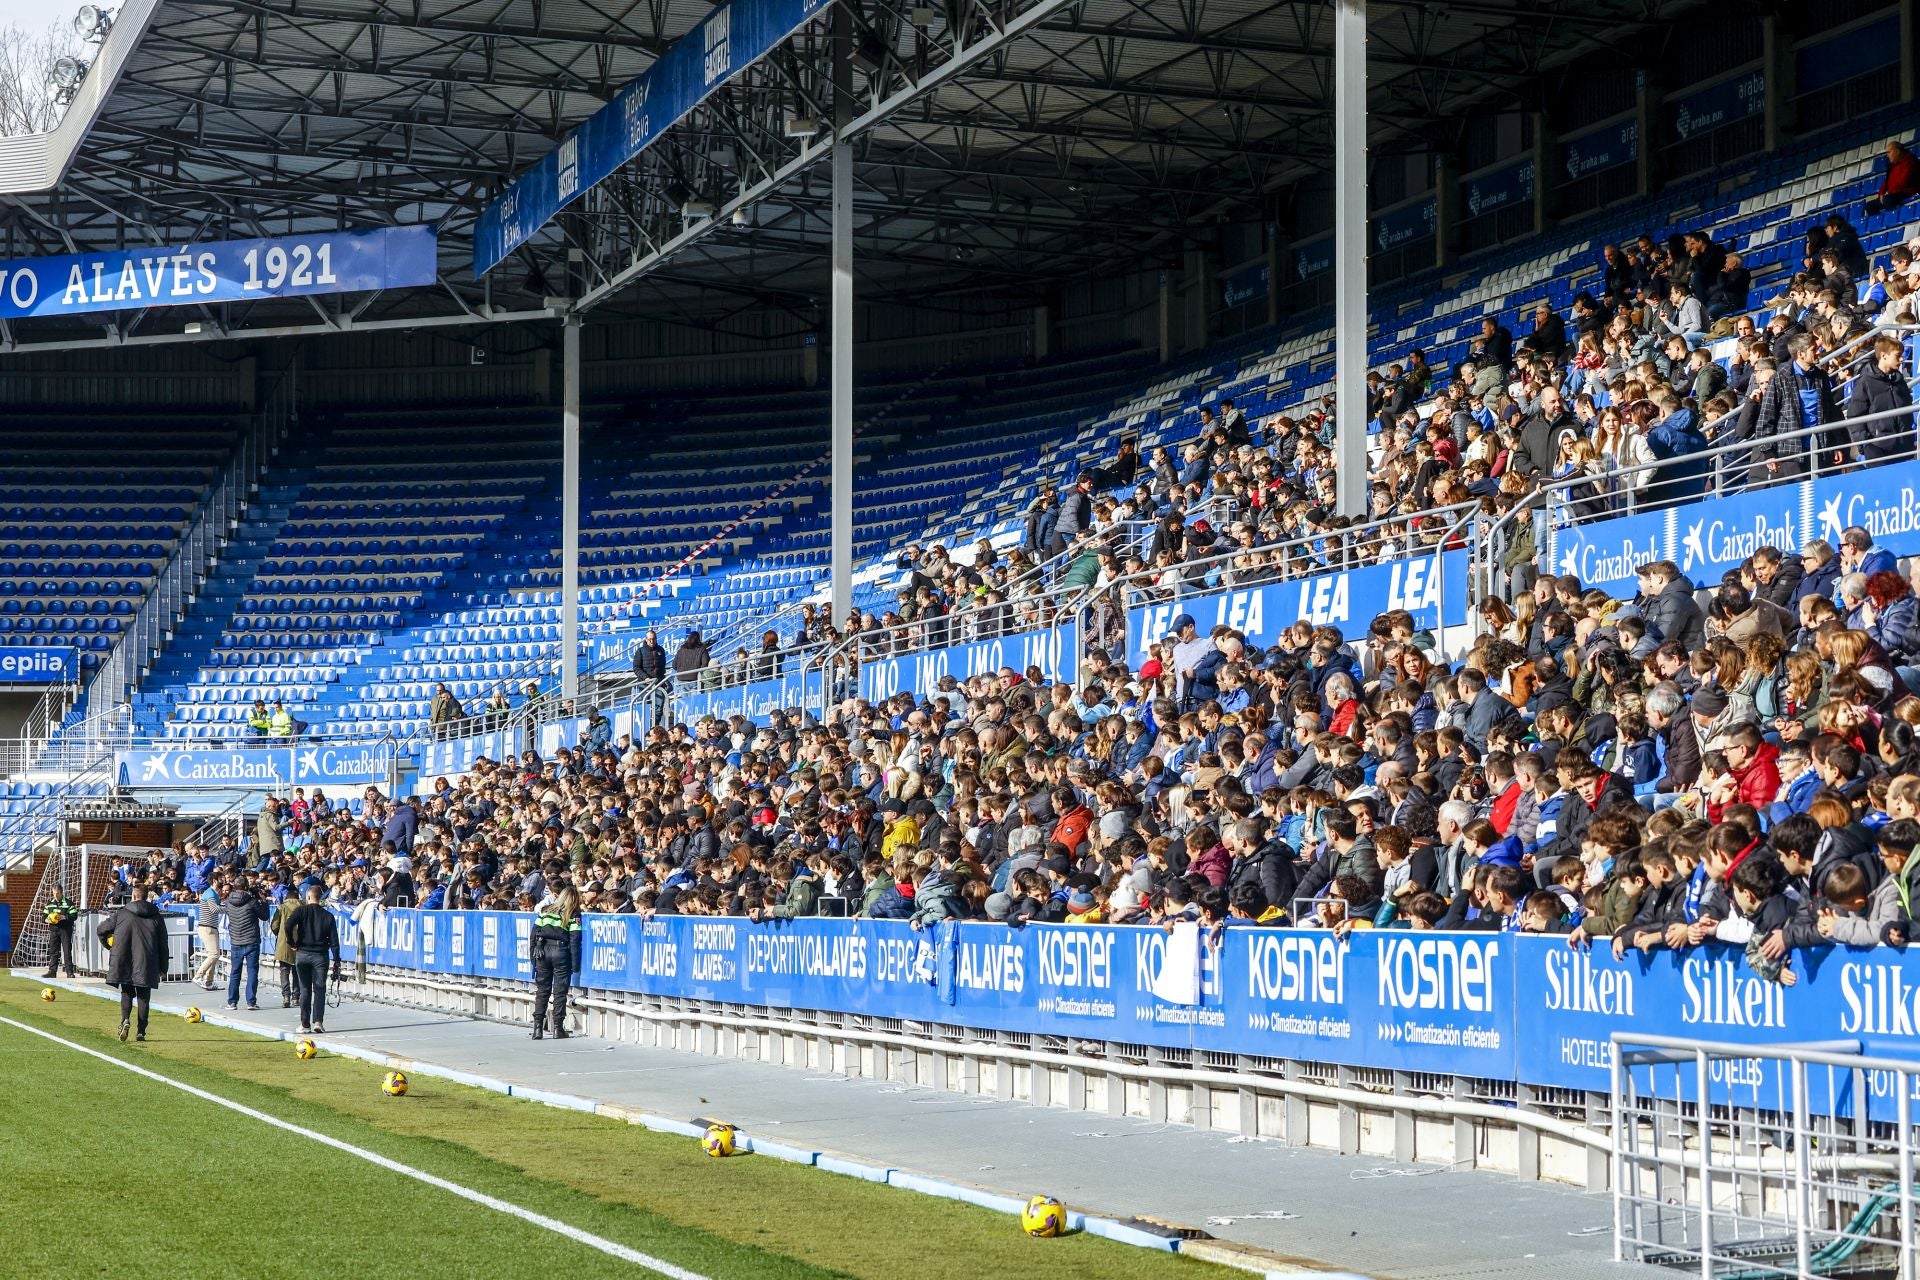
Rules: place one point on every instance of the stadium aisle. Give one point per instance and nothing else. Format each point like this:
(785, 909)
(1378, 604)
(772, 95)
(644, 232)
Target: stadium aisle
(1294, 1201)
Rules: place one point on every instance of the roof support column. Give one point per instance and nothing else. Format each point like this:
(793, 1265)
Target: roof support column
(570, 511)
(841, 485)
(1350, 254)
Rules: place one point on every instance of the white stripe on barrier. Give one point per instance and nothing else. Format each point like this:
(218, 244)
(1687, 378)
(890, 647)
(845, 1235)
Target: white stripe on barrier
(601, 1243)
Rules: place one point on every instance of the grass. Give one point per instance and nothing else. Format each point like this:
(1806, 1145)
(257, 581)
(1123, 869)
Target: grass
(110, 1173)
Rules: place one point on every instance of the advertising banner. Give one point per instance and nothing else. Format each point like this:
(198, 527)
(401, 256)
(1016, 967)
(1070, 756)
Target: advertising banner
(1500, 1006)
(724, 43)
(1432, 587)
(1707, 538)
(224, 271)
(1491, 192)
(1718, 105)
(28, 664)
(1051, 651)
(261, 768)
(1404, 225)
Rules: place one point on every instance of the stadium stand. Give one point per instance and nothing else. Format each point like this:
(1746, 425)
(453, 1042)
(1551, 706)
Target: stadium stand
(90, 508)
(351, 613)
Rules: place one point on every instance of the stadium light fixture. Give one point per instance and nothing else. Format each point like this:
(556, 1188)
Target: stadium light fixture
(694, 210)
(67, 73)
(802, 126)
(92, 23)
(923, 16)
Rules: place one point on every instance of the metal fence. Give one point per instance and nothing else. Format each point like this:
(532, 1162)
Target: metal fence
(1798, 1163)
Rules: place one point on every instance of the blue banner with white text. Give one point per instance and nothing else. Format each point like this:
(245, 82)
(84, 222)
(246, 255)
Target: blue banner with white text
(722, 45)
(317, 764)
(1498, 190)
(1707, 538)
(1737, 98)
(1433, 588)
(457, 755)
(29, 664)
(1497, 1006)
(1404, 225)
(790, 691)
(1607, 147)
(224, 271)
(1053, 652)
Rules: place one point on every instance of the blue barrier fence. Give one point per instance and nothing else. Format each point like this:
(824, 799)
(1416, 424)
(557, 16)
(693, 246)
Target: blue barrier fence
(1496, 1006)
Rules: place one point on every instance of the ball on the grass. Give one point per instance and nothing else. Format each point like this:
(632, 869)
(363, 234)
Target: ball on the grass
(305, 1049)
(718, 1140)
(1043, 1217)
(395, 1084)
(193, 1015)
(46, 993)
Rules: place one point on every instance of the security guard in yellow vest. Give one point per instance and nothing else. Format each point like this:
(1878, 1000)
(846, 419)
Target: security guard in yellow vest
(552, 955)
(61, 915)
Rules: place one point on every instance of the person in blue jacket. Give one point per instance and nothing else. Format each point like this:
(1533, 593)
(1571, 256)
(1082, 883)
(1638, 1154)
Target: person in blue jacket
(1675, 436)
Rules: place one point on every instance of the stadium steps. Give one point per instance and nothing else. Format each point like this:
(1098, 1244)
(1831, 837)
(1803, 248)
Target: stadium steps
(194, 637)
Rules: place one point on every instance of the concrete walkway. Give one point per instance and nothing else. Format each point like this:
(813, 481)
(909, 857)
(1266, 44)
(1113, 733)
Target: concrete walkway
(1326, 1211)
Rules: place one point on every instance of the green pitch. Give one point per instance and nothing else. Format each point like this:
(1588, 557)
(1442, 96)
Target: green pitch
(113, 1174)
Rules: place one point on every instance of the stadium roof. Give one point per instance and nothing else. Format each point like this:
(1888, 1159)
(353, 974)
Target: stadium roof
(1003, 142)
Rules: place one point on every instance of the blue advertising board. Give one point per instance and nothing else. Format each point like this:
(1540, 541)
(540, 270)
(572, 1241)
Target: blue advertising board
(1707, 538)
(1433, 588)
(1499, 1006)
(26, 664)
(1491, 192)
(224, 271)
(1054, 652)
(1249, 284)
(1726, 102)
(1404, 225)
(792, 690)
(260, 768)
(456, 755)
(1607, 147)
(1313, 258)
(722, 45)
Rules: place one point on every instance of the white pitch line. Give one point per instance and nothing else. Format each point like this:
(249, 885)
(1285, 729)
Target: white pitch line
(609, 1247)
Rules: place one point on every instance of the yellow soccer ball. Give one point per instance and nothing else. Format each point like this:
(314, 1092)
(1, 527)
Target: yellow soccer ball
(305, 1049)
(46, 993)
(718, 1140)
(193, 1015)
(1043, 1217)
(395, 1084)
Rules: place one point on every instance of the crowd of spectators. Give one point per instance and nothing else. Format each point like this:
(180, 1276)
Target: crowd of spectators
(1646, 771)
(1609, 407)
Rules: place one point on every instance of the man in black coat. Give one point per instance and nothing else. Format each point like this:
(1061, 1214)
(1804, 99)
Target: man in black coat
(1270, 864)
(1883, 388)
(136, 937)
(1776, 576)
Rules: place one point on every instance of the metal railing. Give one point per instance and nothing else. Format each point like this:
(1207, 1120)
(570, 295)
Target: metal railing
(1744, 1162)
(20, 753)
(214, 520)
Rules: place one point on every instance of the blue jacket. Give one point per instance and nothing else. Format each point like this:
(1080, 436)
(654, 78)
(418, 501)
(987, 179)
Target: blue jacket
(1206, 677)
(891, 904)
(1674, 435)
(200, 872)
(1897, 627)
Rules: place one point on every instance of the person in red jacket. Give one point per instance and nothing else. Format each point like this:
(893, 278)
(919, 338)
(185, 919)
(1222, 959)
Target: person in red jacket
(1074, 819)
(1752, 776)
(1902, 182)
